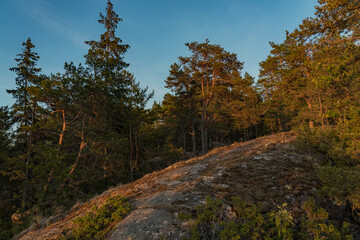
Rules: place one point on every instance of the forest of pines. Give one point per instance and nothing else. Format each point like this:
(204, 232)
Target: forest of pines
(72, 135)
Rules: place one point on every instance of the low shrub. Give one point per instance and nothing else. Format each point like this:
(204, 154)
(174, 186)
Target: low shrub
(340, 178)
(99, 221)
(210, 222)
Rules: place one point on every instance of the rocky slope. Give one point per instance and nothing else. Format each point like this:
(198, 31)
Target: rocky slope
(268, 170)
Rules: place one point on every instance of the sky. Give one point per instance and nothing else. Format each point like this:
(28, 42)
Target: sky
(156, 31)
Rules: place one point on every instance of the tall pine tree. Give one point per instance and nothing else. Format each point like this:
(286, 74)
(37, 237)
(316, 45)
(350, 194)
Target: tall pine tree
(207, 70)
(25, 108)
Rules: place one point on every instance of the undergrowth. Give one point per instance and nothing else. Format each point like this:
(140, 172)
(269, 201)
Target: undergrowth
(340, 178)
(99, 221)
(211, 222)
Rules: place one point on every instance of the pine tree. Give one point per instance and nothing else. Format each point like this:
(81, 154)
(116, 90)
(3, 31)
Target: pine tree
(241, 103)
(27, 75)
(105, 56)
(180, 111)
(208, 68)
(313, 78)
(109, 108)
(25, 108)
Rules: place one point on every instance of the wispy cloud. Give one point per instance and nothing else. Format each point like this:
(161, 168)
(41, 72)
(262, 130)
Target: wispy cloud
(40, 12)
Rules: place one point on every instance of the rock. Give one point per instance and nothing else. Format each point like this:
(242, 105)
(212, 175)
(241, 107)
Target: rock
(270, 177)
(145, 224)
(259, 195)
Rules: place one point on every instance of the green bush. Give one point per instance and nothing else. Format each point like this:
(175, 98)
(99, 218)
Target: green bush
(341, 177)
(316, 224)
(100, 220)
(341, 184)
(283, 222)
(249, 223)
(339, 144)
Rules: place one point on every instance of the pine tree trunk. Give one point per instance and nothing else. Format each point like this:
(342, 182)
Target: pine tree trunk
(81, 148)
(210, 140)
(321, 114)
(280, 128)
(193, 136)
(27, 172)
(184, 141)
(204, 132)
(130, 155)
(63, 129)
(136, 147)
(311, 122)
(28, 158)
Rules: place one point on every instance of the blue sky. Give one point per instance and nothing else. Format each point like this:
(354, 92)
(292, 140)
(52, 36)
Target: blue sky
(156, 31)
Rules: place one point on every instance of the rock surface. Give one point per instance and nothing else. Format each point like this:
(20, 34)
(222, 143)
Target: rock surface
(268, 170)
